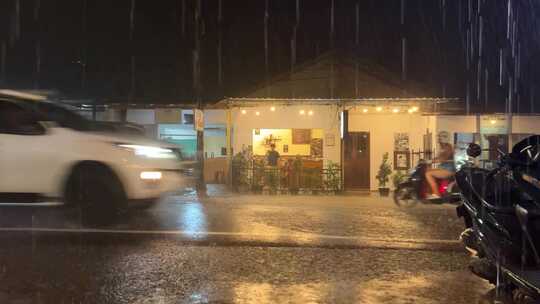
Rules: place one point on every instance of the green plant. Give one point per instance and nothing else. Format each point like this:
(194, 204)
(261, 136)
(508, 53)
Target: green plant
(384, 171)
(240, 167)
(333, 177)
(398, 178)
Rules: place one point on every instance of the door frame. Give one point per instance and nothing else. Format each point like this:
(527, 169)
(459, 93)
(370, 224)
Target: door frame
(344, 149)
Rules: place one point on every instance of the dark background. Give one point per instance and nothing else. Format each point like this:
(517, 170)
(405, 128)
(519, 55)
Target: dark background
(83, 47)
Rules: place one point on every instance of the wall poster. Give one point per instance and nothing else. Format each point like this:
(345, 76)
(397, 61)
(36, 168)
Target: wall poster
(401, 141)
(301, 136)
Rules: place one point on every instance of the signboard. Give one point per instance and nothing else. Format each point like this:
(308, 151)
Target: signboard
(199, 120)
(301, 136)
(170, 116)
(493, 125)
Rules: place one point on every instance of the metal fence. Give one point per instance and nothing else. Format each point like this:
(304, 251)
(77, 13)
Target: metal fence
(286, 181)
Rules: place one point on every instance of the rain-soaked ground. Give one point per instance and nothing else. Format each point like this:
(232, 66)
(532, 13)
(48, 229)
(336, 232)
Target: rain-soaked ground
(239, 249)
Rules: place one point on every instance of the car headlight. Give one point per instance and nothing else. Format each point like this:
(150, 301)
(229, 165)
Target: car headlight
(148, 151)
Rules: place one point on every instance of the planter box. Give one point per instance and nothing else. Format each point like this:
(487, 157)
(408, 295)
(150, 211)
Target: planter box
(384, 191)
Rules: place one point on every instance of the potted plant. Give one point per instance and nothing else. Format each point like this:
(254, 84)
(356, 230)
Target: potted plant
(383, 175)
(332, 182)
(240, 168)
(398, 178)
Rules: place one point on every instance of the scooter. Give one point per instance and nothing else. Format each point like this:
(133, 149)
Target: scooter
(415, 189)
(501, 210)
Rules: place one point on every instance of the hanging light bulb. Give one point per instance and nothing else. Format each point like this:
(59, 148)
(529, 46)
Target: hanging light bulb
(378, 109)
(273, 109)
(257, 113)
(395, 110)
(302, 112)
(310, 113)
(244, 111)
(364, 110)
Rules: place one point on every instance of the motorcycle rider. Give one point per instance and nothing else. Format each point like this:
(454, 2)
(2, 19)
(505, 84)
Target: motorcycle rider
(446, 167)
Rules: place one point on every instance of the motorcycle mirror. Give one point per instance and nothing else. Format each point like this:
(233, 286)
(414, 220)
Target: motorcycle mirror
(474, 150)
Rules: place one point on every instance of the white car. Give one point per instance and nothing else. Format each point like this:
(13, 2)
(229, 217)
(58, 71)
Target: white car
(49, 151)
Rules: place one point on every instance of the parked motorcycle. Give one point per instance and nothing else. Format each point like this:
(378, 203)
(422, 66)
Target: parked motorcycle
(415, 189)
(501, 209)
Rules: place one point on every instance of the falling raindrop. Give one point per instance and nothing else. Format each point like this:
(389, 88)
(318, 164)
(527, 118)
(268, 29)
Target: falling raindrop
(486, 87)
(219, 48)
(357, 20)
(38, 65)
(332, 48)
(508, 22)
(37, 7)
(132, 20)
(501, 66)
(3, 54)
(183, 17)
(403, 59)
(266, 52)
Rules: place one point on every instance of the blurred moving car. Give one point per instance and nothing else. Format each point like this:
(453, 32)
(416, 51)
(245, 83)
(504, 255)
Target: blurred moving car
(49, 151)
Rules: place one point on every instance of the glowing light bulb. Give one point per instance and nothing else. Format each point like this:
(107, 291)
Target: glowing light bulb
(365, 110)
(493, 121)
(395, 110)
(244, 111)
(378, 109)
(273, 109)
(302, 112)
(257, 113)
(310, 113)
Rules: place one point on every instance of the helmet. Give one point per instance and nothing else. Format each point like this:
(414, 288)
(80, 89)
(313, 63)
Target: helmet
(474, 150)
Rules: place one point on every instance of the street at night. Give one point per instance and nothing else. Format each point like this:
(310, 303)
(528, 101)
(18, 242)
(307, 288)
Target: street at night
(269, 151)
(240, 249)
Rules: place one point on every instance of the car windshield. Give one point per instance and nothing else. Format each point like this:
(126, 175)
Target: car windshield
(61, 115)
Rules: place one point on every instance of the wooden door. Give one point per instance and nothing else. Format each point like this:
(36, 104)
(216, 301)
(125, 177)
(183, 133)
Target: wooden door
(356, 160)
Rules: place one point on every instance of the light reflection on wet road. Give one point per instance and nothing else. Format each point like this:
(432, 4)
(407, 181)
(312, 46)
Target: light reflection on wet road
(240, 250)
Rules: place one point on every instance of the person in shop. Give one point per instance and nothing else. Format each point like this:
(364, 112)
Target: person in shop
(272, 156)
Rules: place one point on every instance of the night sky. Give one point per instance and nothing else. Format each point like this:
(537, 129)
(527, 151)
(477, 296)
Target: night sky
(85, 48)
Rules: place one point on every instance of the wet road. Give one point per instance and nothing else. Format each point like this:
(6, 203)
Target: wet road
(239, 249)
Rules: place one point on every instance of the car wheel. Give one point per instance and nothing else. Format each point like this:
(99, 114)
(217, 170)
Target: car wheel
(97, 193)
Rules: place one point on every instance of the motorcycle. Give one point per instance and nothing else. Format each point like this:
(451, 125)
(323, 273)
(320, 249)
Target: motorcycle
(501, 211)
(415, 189)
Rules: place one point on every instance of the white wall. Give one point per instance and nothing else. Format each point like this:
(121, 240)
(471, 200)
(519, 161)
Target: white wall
(142, 117)
(287, 117)
(526, 124)
(456, 124)
(382, 128)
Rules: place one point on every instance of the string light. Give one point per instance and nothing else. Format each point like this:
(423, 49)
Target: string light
(257, 113)
(273, 109)
(493, 121)
(414, 109)
(364, 110)
(302, 112)
(244, 111)
(395, 110)
(310, 113)
(378, 109)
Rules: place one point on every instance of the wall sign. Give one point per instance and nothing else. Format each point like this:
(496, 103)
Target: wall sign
(401, 141)
(199, 120)
(301, 136)
(330, 140)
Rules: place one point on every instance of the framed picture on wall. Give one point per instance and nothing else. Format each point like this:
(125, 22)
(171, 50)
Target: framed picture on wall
(402, 160)
(285, 148)
(301, 136)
